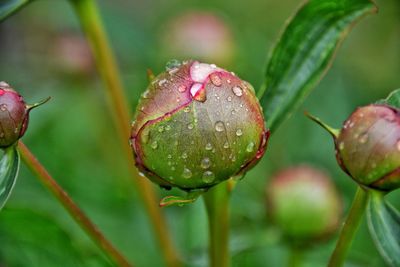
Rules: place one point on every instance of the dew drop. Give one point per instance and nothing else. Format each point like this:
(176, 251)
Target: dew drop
(229, 99)
(208, 177)
(146, 94)
(239, 132)
(186, 109)
(154, 144)
(190, 126)
(341, 146)
(219, 126)
(184, 155)
(186, 173)
(168, 127)
(226, 145)
(209, 146)
(205, 163)
(215, 79)
(160, 128)
(250, 147)
(169, 156)
(181, 88)
(363, 139)
(172, 64)
(163, 81)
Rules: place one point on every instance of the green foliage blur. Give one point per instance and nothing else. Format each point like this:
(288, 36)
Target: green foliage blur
(43, 53)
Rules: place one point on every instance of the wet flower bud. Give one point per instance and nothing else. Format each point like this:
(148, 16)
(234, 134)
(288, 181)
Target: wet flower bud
(368, 146)
(14, 116)
(303, 203)
(197, 125)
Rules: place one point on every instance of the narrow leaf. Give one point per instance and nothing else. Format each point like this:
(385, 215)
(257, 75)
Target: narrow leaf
(392, 100)
(304, 53)
(9, 166)
(384, 226)
(8, 7)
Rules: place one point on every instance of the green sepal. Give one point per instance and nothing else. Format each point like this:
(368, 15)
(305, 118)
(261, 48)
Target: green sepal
(189, 198)
(384, 226)
(9, 166)
(329, 129)
(392, 100)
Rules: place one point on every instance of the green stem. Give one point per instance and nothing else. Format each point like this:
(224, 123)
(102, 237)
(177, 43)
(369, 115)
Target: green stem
(349, 228)
(295, 257)
(217, 205)
(76, 213)
(92, 25)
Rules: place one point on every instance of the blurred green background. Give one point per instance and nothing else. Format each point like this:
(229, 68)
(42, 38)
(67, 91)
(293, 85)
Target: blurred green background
(43, 53)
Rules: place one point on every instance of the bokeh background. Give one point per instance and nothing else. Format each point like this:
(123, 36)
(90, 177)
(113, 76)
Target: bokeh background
(43, 53)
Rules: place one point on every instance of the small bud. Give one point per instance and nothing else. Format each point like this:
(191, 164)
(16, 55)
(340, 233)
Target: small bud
(368, 146)
(14, 115)
(197, 34)
(197, 125)
(303, 203)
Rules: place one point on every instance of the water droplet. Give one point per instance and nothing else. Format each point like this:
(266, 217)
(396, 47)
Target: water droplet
(181, 88)
(363, 138)
(154, 144)
(233, 159)
(226, 145)
(184, 155)
(167, 127)
(186, 109)
(146, 94)
(190, 126)
(205, 163)
(215, 79)
(229, 99)
(172, 64)
(141, 174)
(237, 90)
(163, 81)
(3, 107)
(219, 126)
(250, 147)
(209, 146)
(341, 146)
(186, 173)
(208, 177)
(233, 112)
(160, 128)
(169, 156)
(239, 132)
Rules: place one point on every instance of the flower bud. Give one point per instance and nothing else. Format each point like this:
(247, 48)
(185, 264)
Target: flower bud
(368, 146)
(197, 125)
(303, 203)
(14, 116)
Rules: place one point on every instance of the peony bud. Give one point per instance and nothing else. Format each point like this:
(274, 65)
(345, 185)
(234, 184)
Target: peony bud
(368, 146)
(303, 203)
(14, 115)
(197, 125)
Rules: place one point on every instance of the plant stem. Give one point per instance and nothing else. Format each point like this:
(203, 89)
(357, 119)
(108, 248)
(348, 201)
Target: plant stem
(349, 228)
(217, 205)
(75, 212)
(90, 20)
(295, 257)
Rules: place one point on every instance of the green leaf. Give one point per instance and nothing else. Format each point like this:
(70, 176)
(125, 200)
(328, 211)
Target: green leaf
(9, 166)
(304, 53)
(392, 100)
(29, 238)
(384, 226)
(8, 7)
